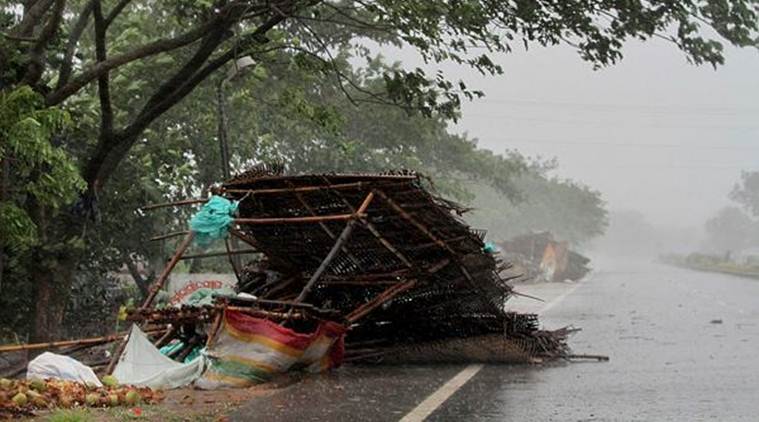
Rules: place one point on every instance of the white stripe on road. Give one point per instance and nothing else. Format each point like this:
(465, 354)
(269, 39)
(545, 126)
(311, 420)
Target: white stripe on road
(431, 403)
(425, 408)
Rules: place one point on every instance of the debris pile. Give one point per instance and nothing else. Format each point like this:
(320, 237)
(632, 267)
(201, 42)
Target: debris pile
(347, 267)
(539, 257)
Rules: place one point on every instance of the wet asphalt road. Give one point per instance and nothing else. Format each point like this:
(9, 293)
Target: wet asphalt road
(683, 345)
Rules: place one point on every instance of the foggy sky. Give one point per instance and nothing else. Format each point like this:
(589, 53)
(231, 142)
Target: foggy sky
(652, 133)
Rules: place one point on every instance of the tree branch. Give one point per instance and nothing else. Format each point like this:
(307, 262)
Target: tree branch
(76, 33)
(37, 54)
(156, 47)
(104, 90)
(32, 18)
(115, 12)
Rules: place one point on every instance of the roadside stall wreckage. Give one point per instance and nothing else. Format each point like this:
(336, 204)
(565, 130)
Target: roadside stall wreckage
(356, 267)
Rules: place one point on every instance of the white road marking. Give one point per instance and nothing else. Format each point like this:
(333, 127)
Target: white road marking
(425, 408)
(558, 299)
(434, 400)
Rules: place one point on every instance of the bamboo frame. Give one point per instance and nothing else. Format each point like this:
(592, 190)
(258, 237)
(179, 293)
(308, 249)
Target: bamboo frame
(64, 343)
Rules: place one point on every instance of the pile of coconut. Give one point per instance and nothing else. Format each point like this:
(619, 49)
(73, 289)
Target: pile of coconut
(22, 397)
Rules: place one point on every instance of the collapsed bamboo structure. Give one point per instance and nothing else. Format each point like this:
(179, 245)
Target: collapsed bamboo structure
(382, 255)
(377, 253)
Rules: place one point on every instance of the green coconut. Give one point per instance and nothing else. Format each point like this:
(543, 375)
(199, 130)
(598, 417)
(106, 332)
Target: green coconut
(92, 399)
(38, 385)
(20, 399)
(132, 397)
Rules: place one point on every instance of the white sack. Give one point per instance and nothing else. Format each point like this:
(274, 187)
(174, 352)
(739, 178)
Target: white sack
(51, 365)
(142, 364)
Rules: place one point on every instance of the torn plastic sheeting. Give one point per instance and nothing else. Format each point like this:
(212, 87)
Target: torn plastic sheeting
(251, 350)
(142, 364)
(51, 365)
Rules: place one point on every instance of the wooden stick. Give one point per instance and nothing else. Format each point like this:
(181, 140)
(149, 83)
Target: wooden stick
(64, 343)
(173, 204)
(356, 185)
(214, 329)
(295, 220)
(600, 358)
(326, 228)
(373, 230)
(230, 255)
(330, 256)
(219, 253)
(168, 236)
(156, 287)
(379, 300)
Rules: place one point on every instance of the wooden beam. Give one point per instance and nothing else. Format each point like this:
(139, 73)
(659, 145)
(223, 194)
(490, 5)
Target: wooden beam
(173, 204)
(167, 270)
(219, 253)
(340, 186)
(373, 230)
(64, 343)
(295, 220)
(168, 236)
(328, 260)
(378, 300)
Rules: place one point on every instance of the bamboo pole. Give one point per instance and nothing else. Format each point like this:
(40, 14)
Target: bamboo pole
(378, 300)
(219, 253)
(295, 220)
(173, 204)
(156, 287)
(335, 248)
(326, 228)
(64, 343)
(340, 186)
(328, 260)
(373, 230)
(168, 236)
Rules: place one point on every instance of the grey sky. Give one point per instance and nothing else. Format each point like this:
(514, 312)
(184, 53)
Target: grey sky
(652, 133)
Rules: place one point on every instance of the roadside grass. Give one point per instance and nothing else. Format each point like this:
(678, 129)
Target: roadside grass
(124, 414)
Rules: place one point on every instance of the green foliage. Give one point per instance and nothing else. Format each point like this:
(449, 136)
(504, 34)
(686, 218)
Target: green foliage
(42, 173)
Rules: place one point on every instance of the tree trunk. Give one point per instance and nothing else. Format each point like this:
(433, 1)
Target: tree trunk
(55, 259)
(49, 306)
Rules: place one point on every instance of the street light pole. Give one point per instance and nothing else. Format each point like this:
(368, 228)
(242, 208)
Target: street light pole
(222, 129)
(221, 103)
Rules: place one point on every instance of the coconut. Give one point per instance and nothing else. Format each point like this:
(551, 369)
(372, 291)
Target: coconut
(38, 385)
(132, 397)
(92, 399)
(113, 400)
(20, 399)
(109, 381)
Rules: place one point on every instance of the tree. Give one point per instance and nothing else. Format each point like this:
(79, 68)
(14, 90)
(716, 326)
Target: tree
(569, 210)
(41, 47)
(746, 192)
(730, 230)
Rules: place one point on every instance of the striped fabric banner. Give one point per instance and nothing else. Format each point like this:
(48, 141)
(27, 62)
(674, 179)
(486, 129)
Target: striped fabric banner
(251, 350)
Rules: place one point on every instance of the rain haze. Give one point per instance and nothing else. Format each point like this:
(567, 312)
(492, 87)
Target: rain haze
(653, 133)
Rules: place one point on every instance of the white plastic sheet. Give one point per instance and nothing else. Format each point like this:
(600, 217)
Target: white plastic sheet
(51, 365)
(142, 364)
